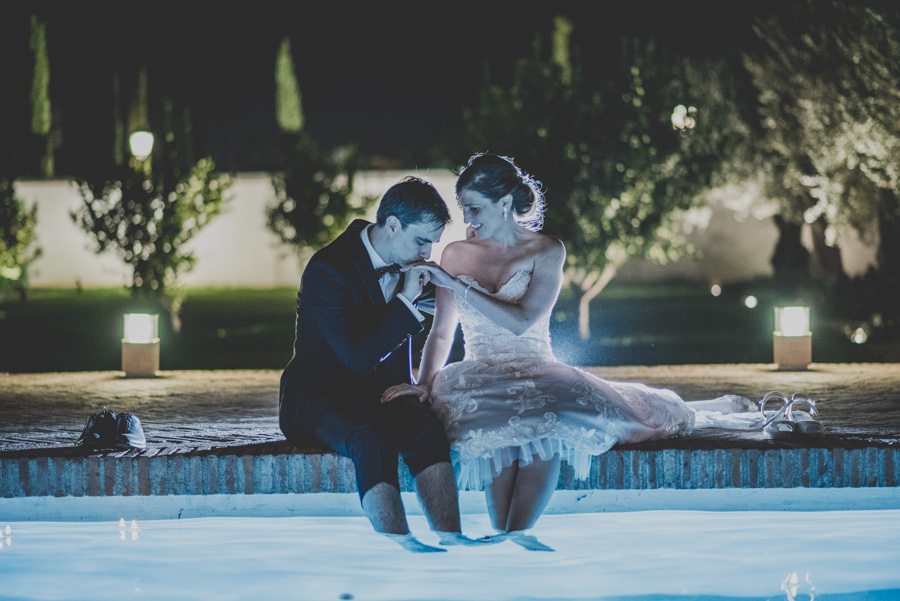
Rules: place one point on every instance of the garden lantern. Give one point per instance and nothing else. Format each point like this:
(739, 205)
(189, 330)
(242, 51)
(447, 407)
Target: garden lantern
(141, 143)
(792, 340)
(140, 345)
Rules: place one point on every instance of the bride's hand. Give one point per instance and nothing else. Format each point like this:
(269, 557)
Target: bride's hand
(436, 273)
(422, 394)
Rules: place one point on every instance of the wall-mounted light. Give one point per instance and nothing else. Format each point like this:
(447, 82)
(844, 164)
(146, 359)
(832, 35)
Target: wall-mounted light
(140, 345)
(792, 340)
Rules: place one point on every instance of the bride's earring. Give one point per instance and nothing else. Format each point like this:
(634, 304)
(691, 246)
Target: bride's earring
(506, 213)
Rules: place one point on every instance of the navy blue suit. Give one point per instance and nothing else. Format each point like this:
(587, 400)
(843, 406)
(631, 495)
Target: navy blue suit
(350, 346)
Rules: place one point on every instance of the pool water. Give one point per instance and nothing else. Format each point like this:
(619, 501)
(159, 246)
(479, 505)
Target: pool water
(666, 554)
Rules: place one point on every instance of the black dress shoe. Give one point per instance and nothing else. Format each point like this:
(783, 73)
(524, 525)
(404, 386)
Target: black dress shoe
(129, 433)
(99, 431)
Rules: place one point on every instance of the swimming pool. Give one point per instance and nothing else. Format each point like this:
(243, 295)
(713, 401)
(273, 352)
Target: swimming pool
(648, 554)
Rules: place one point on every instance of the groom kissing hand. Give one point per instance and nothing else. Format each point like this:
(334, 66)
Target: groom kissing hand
(359, 303)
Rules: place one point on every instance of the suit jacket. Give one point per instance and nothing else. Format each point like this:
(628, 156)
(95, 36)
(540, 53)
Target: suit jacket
(350, 344)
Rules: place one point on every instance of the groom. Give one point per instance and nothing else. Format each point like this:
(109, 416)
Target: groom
(353, 342)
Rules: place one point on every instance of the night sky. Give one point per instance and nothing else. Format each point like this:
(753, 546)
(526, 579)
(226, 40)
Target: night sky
(394, 81)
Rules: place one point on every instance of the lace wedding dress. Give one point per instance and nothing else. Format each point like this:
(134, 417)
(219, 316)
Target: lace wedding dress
(509, 399)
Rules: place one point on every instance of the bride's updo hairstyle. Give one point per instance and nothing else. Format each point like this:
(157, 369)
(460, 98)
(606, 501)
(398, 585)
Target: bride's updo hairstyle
(494, 176)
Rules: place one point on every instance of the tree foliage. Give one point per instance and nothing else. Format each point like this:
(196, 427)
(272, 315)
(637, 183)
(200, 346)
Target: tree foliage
(17, 238)
(288, 107)
(40, 83)
(829, 108)
(41, 114)
(622, 147)
(147, 221)
(314, 199)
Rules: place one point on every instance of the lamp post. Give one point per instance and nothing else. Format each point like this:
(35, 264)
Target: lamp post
(140, 345)
(792, 340)
(141, 144)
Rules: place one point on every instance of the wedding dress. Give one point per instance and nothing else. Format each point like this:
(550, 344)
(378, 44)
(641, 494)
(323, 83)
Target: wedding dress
(510, 399)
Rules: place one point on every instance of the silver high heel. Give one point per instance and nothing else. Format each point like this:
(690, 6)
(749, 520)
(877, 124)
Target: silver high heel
(784, 422)
(805, 422)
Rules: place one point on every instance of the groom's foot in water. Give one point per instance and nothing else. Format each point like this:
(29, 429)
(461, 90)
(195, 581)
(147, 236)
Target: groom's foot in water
(411, 543)
(457, 538)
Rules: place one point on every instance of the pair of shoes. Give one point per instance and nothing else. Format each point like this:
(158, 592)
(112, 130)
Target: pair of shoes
(106, 430)
(789, 420)
(99, 429)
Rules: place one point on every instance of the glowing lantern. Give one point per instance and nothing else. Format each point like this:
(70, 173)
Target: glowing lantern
(140, 345)
(141, 143)
(792, 340)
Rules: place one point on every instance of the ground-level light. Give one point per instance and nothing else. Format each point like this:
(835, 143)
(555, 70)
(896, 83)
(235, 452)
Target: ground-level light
(792, 340)
(140, 345)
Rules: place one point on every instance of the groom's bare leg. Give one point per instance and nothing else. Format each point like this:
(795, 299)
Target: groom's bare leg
(384, 508)
(436, 489)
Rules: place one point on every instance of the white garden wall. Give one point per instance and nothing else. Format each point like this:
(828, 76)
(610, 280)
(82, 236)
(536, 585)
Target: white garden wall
(237, 250)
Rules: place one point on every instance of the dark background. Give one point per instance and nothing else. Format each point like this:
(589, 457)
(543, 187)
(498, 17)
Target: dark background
(393, 80)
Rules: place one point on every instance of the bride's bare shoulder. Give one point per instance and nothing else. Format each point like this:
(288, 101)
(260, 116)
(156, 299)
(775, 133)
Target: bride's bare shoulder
(549, 247)
(454, 256)
(455, 249)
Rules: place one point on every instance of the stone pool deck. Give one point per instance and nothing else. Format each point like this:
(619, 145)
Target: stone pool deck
(216, 432)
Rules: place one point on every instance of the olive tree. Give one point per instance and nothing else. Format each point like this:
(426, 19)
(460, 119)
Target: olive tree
(147, 221)
(827, 75)
(17, 239)
(622, 148)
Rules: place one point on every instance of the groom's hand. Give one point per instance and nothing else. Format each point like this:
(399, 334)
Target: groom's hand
(413, 282)
(420, 392)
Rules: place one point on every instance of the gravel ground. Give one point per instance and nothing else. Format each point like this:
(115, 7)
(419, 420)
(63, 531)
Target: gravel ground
(859, 403)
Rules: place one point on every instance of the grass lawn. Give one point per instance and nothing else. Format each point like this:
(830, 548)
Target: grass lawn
(632, 324)
(64, 330)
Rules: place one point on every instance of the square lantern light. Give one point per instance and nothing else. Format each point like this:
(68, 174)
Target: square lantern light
(140, 345)
(792, 340)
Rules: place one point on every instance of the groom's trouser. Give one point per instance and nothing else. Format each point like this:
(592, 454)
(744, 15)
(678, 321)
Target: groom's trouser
(374, 434)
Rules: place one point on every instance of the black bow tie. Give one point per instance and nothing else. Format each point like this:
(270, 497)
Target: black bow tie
(392, 268)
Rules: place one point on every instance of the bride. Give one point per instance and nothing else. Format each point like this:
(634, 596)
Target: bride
(510, 410)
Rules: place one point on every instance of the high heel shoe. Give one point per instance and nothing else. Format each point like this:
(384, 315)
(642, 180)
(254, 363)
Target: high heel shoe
(784, 422)
(774, 421)
(805, 422)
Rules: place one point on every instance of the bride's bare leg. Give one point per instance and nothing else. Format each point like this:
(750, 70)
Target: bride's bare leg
(498, 495)
(731, 403)
(532, 490)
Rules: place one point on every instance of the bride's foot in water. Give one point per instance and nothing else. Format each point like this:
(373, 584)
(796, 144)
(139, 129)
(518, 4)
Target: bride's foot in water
(457, 538)
(523, 540)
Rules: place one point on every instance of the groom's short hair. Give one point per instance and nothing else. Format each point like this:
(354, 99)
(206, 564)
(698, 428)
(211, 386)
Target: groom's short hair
(413, 200)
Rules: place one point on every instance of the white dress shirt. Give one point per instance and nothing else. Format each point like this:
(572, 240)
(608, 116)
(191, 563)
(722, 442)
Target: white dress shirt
(388, 281)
